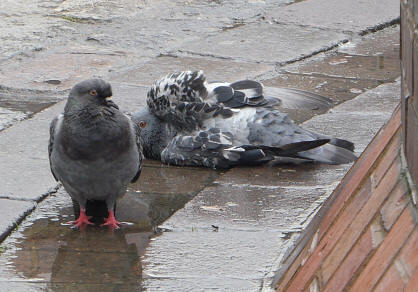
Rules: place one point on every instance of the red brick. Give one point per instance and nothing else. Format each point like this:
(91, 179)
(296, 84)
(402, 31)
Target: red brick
(359, 171)
(347, 216)
(385, 252)
(413, 283)
(305, 273)
(359, 220)
(409, 254)
(351, 263)
(394, 205)
(391, 152)
(343, 193)
(391, 281)
(291, 271)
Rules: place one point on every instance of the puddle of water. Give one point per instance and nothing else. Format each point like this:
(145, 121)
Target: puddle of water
(47, 254)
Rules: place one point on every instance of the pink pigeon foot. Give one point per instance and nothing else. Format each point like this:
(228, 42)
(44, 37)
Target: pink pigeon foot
(111, 221)
(82, 219)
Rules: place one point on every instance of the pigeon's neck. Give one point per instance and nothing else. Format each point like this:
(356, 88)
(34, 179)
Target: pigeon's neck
(83, 110)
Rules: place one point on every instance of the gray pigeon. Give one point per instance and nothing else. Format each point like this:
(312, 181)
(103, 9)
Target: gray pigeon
(94, 149)
(221, 125)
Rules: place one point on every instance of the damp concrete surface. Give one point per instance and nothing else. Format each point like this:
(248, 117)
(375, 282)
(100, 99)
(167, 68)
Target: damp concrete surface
(184, 229)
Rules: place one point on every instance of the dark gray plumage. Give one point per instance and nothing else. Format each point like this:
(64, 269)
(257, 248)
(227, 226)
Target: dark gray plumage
(220, 125)
(94, 149)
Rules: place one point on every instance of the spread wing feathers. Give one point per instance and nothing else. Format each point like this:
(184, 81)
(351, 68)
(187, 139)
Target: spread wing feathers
(51, 143)
(297, 99)
(179, 99)
(185, 99)
(215, 149)
(237, 94)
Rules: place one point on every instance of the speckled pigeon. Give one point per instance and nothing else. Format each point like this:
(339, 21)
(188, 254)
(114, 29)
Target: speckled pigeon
(94, 149)
(220, 125)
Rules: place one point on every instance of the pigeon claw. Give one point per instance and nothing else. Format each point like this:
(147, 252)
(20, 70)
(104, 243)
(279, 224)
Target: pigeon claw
(82, 219)
(111, 221)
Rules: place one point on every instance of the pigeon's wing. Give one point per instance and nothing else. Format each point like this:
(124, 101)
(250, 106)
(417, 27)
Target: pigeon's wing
(272, 128)
(181, 100)
(238, 94)
(137, 128)
(215, 149)
(291, 98)
(252, 93)
(52, 129)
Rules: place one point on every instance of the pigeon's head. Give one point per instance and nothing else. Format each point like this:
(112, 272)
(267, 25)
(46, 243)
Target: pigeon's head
(94, 91)
(151, 135)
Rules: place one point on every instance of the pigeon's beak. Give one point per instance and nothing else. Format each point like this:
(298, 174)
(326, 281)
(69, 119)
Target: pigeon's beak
(110, 103)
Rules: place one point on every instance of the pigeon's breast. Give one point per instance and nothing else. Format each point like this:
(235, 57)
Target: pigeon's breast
(109, 140)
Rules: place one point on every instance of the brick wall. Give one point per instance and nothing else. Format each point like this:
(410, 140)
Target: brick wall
(365, 236)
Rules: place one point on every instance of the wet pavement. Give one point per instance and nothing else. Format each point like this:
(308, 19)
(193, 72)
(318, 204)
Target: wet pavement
(186, 229)
(45, 250)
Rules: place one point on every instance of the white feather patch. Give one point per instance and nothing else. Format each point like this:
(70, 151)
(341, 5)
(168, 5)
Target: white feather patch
(235, 149)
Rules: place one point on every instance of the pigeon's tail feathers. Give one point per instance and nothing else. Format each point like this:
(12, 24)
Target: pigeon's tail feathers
(260, 154)
(342, 143)
(330, 154)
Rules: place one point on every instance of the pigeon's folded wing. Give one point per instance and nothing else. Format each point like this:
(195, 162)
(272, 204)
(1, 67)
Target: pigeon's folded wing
(137, 129)
(204, 148)
(51, 142)
(215, 149)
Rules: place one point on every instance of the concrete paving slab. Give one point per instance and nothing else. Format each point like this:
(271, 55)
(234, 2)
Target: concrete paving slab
(201, 284)
(382, 99)
(345, 15)
(174, 180)
(381, 43)
(335, 124)
(12, 212)
(129, 97)
(249, 208)
(24, 160)
(8, 117)
(27, 28)
(44, 250)
(264, 42)
(308, 175)
(60, 69)
(213, 255)
(20, 286)
(28, 101)
(337, 89)
(369, 111)
(350, 66)
(214, 69)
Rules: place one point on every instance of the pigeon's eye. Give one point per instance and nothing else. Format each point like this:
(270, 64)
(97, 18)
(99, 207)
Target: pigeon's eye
(142, 124)
(93, 92)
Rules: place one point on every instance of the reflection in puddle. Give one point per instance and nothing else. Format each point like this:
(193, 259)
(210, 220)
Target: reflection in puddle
(47, 253)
